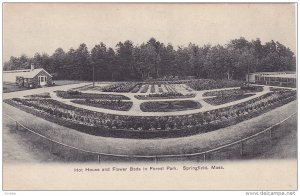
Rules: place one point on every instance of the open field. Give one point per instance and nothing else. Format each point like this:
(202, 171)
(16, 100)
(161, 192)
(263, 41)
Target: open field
(12, 87)
(67, 82)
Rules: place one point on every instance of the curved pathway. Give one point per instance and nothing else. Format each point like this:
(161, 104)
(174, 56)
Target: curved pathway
(136, 111)
(151, 147)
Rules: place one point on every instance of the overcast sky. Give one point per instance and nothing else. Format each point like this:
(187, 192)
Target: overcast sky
(31, 28)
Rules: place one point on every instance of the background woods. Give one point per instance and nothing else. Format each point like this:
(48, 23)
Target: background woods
(154, 59)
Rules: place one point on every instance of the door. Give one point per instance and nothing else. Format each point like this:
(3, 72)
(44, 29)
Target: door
(42, 80)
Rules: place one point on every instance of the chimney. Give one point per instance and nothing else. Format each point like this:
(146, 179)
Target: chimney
(32, 67)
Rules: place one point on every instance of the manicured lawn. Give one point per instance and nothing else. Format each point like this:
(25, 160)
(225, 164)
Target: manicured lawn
(11, 87)
(169, 106)
(66, 82)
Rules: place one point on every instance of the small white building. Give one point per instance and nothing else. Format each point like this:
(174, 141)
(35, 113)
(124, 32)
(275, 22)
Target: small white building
(30, 78)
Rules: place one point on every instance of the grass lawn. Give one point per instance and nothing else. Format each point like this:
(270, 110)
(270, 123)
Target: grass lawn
(12, 87)
(66, 82)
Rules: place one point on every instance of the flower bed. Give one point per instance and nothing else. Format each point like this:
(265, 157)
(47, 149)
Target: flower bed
(136, 88)
(79, 95)
(169, 106)
(41, 95)
(226, 99)
(152, 90)
(170, 89)
(120, 87)
(108, 125)
(112, 104)
(229, 92)
(164, 96)
(279, 89)
(145, 88)
(207, 84)
(160, 90)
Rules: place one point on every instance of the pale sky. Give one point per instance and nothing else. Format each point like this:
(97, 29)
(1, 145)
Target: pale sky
(30, 28)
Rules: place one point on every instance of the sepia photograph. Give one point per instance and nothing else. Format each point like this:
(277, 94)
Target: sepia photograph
(197, 92)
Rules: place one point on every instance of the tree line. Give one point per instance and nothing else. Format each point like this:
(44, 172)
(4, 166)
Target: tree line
(154, 59)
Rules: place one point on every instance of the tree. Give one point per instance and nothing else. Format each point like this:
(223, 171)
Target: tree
(99, 62)
(59, 60)
(155, 59)
(125, 60)
(83, 69)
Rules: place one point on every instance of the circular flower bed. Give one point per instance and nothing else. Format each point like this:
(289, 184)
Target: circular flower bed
(169, 106)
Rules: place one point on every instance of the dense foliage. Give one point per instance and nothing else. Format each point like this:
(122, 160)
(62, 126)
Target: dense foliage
(157, 60)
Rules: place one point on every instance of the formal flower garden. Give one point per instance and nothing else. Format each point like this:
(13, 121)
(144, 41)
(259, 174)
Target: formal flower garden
(142, 112)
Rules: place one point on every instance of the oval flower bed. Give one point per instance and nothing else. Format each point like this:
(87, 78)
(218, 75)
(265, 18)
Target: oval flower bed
(233, 92)
(169, 106)
(80, 95)
(226, 99)
(41, 95)
(112, 104)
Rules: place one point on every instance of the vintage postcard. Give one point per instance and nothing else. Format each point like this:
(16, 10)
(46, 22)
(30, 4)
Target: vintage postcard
(149, 96)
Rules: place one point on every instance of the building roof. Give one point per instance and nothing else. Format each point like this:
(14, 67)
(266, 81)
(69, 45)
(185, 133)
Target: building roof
(283, 76)
(275, 73)
(27, 73)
